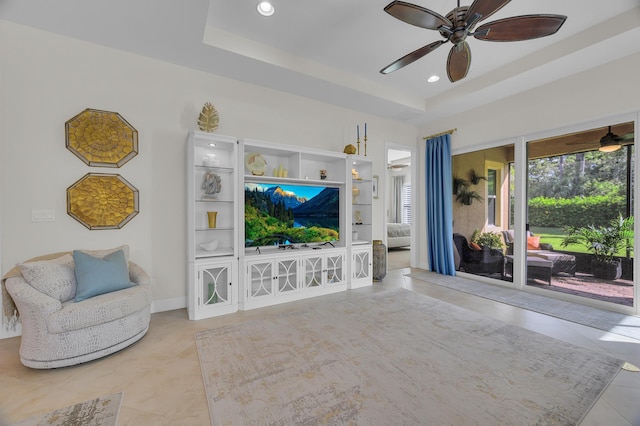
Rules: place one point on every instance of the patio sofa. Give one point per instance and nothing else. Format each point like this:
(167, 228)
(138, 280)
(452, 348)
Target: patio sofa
(562, 263)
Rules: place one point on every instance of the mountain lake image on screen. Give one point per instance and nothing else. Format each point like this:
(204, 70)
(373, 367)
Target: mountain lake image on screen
(276, 214)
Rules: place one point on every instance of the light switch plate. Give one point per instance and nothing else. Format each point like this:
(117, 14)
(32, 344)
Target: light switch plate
(43, 215)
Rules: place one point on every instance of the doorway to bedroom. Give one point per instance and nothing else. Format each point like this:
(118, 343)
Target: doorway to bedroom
(399, 203)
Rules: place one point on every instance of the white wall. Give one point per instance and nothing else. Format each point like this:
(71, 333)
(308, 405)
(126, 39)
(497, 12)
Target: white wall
(45, 79)
(601, 92)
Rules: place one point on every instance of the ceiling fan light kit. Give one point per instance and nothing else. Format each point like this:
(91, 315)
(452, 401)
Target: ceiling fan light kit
(610, 142)
(458, 24)
(609, 148)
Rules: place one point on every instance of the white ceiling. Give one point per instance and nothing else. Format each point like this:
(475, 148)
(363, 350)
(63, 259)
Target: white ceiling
(332, 50)
(398, 155)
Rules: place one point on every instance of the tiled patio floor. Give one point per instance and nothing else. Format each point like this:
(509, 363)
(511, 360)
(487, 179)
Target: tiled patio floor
(618, 291)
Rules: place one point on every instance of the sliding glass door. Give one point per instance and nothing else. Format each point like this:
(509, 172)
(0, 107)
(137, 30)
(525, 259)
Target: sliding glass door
(483, 237)
(580, 214)
(553, 215)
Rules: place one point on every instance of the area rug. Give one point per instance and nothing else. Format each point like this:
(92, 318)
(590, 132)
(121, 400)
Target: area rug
(395, 357)
(601, 319)
(102, 411)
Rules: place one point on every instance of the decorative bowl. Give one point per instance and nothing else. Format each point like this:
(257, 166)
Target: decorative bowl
(210, 246)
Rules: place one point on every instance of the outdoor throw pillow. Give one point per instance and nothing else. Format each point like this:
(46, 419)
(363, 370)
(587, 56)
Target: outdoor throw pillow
(56, 278)
(97, 276)
(533, 243)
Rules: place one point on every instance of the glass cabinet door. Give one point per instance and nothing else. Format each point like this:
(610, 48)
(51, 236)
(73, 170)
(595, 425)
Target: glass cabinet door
(215, 284)
(260, 279)
(287, 275)
(335, 269)
(312, 267)
(361, 262)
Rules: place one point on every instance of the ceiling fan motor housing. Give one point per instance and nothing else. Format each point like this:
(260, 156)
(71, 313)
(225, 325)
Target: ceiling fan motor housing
(460, 31)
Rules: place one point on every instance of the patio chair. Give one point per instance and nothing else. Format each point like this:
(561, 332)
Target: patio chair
(509, 238)
(485, 261)
(562, 263)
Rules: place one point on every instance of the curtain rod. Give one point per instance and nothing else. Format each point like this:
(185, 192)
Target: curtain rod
(450, 131)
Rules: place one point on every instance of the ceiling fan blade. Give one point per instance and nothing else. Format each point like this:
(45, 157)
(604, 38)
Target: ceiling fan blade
(459, 61)
(416, 15)
(520, 28)
(411, 57)
(485, 8)
(627, 136)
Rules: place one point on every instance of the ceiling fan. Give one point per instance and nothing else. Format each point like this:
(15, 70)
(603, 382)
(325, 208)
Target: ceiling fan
(460, 23)
(397, 166)
(611, 142)
(592, 139)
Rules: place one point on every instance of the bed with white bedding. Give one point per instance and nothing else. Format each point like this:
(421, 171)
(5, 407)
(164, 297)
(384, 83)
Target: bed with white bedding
(398, 235)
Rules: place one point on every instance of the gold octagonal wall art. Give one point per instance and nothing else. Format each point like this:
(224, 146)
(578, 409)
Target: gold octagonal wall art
(101, 138)
(102, 201)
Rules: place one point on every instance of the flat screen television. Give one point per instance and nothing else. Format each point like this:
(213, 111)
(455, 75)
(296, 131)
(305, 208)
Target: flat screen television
(277, 214)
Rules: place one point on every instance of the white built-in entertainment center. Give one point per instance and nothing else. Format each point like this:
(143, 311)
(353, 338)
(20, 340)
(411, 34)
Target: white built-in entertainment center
(228, 269)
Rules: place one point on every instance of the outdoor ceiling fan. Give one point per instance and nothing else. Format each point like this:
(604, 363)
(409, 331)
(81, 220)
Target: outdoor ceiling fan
(592, 139)
(611, 142)
(459, 24)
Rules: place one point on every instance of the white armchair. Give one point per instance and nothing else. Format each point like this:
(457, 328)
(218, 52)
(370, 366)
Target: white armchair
(59, 333)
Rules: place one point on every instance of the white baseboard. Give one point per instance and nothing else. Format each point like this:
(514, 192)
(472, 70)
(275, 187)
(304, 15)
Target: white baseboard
(5, 334)
(168, 304)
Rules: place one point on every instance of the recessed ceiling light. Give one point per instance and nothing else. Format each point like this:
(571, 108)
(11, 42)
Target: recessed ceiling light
(265, 8)
(433, 79)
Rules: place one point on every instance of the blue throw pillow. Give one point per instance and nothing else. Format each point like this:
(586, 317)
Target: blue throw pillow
(96, 275)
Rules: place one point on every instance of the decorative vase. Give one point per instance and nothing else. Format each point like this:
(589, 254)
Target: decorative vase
(210, 246)
(379, 260)
(212, 216)
(355, 191)
(212, 296)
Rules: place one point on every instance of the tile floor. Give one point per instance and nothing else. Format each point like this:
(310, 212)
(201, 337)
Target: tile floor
(160, 375)
(398, 258)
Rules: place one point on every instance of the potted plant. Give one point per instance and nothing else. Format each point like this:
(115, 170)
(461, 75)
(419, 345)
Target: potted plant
(459, 184)
(604, 242)
(491, 240)
(461, 190)
(475, 178)
(466, 196)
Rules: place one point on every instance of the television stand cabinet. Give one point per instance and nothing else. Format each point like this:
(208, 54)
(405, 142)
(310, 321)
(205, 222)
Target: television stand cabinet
(225, 271)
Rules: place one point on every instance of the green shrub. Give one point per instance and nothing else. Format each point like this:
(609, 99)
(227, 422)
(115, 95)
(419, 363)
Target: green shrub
(575, 212)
